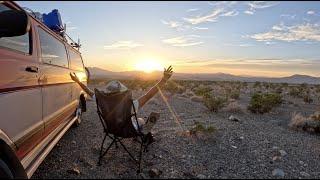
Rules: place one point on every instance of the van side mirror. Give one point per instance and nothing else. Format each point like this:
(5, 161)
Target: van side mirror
(14, 23)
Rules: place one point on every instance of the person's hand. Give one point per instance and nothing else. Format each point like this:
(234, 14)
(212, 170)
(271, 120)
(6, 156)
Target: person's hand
(167, 74)
(74, 77)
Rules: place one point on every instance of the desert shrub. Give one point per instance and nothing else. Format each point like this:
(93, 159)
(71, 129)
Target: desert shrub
(235, 94)
(307, 98)
(234, 107)
(311, 123)
(266, 85)
(199, 127)
(244, 84)
(213, 103)
(174, 87)
(304, 85)
(264, 102)
(257, 84)
(297, 121)
(202, 90)
(315, 116)
(279, 90)
(295, 92)
(284, 85)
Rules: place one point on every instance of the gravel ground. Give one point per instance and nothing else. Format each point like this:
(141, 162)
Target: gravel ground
(252, 148)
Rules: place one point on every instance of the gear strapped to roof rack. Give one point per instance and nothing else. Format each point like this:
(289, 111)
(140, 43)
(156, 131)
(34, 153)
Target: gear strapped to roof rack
(53, 21)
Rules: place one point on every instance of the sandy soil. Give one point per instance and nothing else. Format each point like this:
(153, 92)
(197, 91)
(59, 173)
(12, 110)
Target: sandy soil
(251, 148)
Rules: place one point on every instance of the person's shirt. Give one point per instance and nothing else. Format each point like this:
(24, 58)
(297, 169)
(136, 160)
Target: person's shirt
(136, 106)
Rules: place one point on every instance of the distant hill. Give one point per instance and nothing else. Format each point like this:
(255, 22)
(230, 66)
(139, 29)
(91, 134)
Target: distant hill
(294, 79)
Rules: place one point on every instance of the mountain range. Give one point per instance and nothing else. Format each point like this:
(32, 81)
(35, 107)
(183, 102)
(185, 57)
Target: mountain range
(294, 79)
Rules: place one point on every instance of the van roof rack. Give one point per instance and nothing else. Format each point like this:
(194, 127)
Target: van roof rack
(63, 34)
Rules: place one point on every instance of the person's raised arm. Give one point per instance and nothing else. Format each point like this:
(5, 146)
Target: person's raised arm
(84, 87)
(153, 91)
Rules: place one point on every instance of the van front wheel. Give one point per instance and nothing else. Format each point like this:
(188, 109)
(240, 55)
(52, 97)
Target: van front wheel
(5, 172)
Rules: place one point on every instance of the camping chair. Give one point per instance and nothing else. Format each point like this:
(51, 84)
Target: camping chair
(114, 112)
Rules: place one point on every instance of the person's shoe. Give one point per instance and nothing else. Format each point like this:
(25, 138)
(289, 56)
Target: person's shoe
(149, 138)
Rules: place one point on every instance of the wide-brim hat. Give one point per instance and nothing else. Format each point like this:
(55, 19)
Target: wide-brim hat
(115, 87)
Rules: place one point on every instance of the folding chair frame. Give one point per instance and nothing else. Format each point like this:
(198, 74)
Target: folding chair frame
(115, 140)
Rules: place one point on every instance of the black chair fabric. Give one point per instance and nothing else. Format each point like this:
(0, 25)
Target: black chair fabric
(116, 112)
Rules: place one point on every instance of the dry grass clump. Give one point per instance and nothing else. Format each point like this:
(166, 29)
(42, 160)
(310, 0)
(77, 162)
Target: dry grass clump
(310, 124)
(199, 127)
(234, 107)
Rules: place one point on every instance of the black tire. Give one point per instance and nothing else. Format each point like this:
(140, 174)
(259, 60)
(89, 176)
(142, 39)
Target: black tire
(5, 172)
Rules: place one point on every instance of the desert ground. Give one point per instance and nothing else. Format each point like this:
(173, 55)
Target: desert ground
(198, 136)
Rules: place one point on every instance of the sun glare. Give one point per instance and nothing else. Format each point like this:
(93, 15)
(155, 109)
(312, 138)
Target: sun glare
(148, 66)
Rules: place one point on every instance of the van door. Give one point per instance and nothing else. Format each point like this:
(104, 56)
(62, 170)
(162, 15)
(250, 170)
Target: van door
(76, 66)
(55, 81)
(20, 93)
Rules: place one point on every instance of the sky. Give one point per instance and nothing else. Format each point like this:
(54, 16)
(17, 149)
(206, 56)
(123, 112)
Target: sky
(253, 38)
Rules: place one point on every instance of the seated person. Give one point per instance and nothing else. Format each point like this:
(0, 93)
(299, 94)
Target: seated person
(116, 86)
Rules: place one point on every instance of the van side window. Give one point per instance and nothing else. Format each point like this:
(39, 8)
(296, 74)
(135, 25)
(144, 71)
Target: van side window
(75, 61)
(18, 43)
(52, 50)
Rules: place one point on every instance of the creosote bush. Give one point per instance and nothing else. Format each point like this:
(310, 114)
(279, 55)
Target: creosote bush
(235, 94)
(264, 102)
(174, 87)
(307, 99)
(295, 92)
(202, 90)
(213, 103)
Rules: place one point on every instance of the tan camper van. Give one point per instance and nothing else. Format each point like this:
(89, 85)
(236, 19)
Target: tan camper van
(38, 99)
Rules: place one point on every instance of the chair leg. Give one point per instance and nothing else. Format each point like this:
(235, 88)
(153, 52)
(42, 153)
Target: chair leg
(101, 147)
(124, 147)
(101, 156)
(116, 142)
(140, 157)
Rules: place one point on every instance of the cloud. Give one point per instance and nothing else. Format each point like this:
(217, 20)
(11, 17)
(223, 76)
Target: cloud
(301, 32)
(239, 45)
(230, 13)
(211, 17)
(249, 12)
(261, 4)
(201, 28)
(122, 45)
(254, 5)
(222, 3)
(179, 26)
(193, 9)
(269, 43)
(183, 41)
(172, 24)
(288, 16)
(311, 12)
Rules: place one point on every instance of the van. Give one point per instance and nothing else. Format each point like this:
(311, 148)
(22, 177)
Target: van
(39, 101)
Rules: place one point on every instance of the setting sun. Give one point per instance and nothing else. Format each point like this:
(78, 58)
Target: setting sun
(148, 66)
